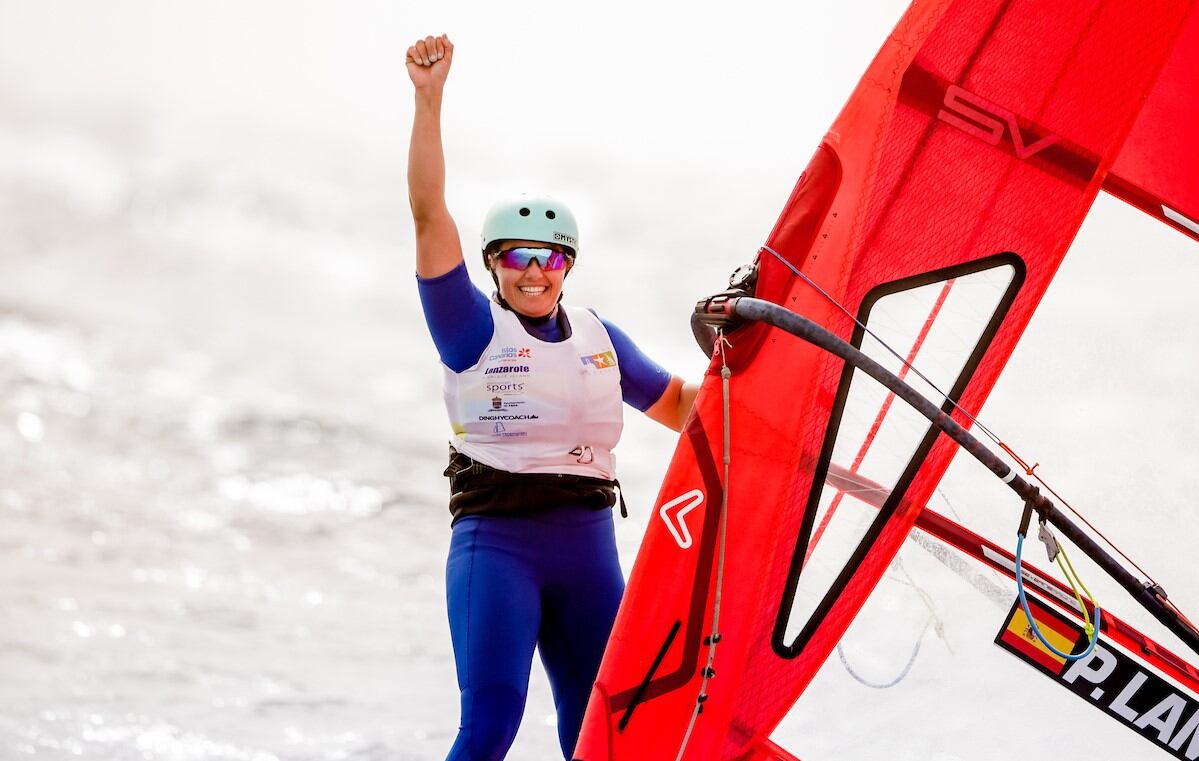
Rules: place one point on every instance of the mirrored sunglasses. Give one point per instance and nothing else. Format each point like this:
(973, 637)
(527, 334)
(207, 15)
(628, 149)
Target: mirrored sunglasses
(519, 258)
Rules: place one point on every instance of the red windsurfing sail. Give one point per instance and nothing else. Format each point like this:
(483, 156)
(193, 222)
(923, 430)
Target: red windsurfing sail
(970, 152)
(1158, 168)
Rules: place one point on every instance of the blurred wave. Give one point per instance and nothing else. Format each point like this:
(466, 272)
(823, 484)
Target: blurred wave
(222, 518)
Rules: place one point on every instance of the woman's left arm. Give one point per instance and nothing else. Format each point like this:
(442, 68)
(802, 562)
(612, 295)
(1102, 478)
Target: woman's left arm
(673, 407)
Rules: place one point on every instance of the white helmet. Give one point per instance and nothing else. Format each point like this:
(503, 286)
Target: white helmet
(536, 218)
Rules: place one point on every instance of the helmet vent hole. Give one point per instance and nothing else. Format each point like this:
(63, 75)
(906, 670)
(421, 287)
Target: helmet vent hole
(525, 212)
(549, 214)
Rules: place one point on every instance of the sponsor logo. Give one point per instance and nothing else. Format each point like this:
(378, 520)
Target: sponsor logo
(508, 417)
(505, 388)
(675, 511)
(584, 455)
(499, 430)
(511, 352)
(1111, 680)
(564, 238)
(497, 403)
(989, 122)
(601, 361)
(506, 369)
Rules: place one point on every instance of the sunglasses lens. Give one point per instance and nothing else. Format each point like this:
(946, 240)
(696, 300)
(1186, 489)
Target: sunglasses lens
(520, 258)
(515, 258)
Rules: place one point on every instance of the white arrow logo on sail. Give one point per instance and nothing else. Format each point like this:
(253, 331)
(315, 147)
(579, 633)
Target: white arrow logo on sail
(675, 510)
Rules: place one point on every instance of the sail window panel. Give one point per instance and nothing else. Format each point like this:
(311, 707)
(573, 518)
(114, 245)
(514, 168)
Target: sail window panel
(937, 326)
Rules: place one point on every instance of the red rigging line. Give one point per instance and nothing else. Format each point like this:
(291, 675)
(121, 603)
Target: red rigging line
(907, 365)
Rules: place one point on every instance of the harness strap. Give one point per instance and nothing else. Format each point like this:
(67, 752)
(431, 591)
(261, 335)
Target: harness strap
(479, 489)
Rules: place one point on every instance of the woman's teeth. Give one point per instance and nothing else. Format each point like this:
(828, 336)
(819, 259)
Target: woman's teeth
(533, 290)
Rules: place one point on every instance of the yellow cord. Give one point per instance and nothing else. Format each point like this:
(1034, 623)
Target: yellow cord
(1075, 582)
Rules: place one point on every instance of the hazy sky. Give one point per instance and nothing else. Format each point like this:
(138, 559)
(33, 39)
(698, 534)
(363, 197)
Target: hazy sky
(640, 94)
(626, 69)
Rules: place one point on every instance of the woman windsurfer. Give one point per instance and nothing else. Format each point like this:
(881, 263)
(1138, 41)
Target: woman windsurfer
(534, 391)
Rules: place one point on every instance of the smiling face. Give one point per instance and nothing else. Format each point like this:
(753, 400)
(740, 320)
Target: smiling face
(533, 291)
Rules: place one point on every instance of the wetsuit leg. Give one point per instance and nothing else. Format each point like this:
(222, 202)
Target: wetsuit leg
(580, 597)
(495, 613)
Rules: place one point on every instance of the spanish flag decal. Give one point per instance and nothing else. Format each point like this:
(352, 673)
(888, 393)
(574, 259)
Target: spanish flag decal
(1018, 636)
(1113, 680)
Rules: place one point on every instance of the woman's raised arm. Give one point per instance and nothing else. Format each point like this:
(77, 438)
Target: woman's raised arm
(438, 249)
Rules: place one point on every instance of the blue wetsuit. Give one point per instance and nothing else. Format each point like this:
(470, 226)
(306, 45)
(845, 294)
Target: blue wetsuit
(549, 580)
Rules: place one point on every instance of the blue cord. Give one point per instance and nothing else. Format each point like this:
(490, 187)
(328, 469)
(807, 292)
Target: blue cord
(1033, 624)
(907, 667)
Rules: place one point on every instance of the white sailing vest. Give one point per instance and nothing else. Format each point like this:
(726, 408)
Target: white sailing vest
(530, 406)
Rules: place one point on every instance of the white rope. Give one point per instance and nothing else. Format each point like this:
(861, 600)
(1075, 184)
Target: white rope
(713, 638)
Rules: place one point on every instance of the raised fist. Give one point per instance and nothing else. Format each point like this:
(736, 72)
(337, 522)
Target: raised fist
(428, 61)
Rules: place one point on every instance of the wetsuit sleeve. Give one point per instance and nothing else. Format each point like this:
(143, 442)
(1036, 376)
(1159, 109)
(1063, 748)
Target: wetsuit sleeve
(458, 316)
(642, 380)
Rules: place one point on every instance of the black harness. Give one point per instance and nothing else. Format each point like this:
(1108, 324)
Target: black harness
(478, 489)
